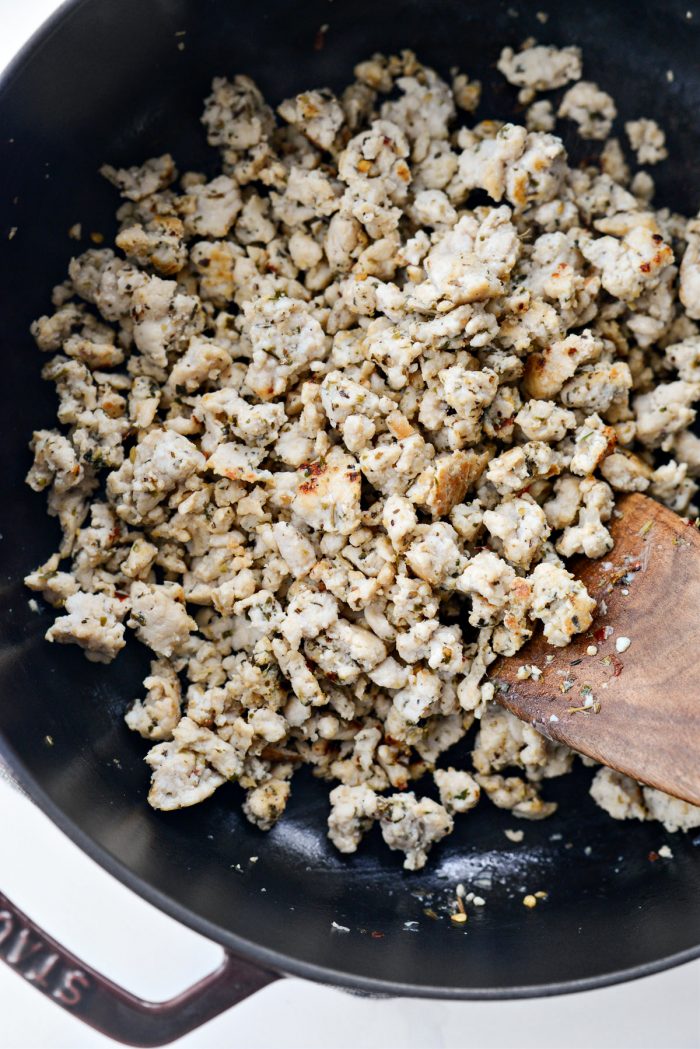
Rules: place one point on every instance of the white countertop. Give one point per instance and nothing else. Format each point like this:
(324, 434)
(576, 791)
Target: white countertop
(151, 955)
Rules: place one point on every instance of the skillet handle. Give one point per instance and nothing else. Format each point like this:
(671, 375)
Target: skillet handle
(108, 1008)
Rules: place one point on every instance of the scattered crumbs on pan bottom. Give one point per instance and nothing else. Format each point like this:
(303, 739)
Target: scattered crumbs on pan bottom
(460, 902)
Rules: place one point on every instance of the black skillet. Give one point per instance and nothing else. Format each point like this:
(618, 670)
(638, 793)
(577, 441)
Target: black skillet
(110, 80)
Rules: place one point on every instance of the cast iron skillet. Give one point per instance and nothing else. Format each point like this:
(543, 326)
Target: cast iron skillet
(106, 80)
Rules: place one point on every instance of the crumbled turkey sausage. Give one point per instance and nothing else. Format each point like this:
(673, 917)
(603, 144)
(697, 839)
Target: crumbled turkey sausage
(349, 423)
(592, 109)
(539, 67)
(647, 140)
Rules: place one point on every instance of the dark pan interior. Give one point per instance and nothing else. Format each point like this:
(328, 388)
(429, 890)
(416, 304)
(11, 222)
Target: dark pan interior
(106, 81)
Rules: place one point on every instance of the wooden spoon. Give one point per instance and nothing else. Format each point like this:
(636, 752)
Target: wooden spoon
(636, 708)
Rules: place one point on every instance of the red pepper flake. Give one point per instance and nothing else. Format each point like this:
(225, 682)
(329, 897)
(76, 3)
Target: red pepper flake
(506, 422)
(377, 935)
(320, 38)
(653, 856)
(119, 596)
(600, 634)
(314, 469)
(618, 666)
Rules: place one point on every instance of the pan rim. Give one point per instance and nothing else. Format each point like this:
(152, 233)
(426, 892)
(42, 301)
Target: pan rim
(265, 958)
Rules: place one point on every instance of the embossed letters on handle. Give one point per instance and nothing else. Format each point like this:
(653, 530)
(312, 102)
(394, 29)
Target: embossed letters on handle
(109, 1008)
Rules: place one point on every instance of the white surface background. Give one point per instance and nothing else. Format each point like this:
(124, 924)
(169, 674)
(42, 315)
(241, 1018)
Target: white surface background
(153, 956)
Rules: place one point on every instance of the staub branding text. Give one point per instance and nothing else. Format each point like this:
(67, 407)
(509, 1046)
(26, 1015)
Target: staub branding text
(38, 961)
